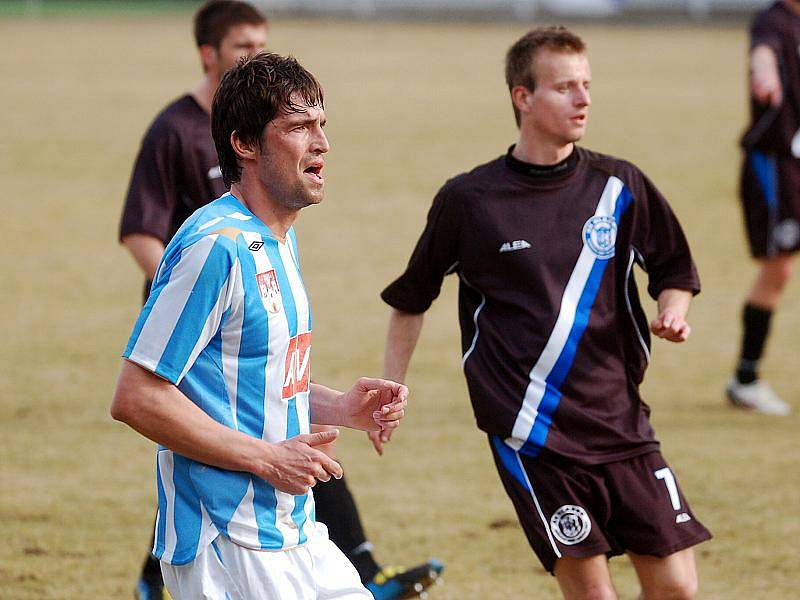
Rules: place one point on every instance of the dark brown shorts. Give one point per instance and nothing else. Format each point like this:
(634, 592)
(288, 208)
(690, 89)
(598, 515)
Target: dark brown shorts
(770, 194)
(575, 510)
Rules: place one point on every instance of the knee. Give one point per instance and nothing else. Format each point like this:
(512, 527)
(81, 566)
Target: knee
(685, 589)
(592, 592)
(778, 272)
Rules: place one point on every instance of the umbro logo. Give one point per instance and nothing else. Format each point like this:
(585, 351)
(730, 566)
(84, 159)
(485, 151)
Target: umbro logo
(255, 246)
(515, 245)
(682, 518)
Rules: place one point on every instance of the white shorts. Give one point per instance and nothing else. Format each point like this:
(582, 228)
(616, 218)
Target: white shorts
(226, 571)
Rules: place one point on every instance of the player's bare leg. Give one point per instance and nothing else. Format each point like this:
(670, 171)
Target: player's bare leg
(585, 578)
(672, 577)
(745, 389)
(773, 275)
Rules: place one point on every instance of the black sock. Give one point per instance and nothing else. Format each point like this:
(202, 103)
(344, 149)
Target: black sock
(151, 569)
(756, 329)
(336, 507)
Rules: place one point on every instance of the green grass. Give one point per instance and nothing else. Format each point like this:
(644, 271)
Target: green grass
(408, 106)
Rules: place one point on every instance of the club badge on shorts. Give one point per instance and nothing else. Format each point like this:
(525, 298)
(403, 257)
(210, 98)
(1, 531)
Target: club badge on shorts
(600, 236)
(570, 524)
(270, 290)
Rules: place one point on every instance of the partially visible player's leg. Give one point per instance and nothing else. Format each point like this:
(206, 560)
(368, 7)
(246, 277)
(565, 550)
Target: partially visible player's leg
(150, 585)
(672, 577)
(771, 205)
(585, 578)
(654, 523)
(773, 275)
(337, 509)
(563, 509)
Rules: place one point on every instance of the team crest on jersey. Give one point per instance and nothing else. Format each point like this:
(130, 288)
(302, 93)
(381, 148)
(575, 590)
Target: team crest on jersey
(786, 234)
(297, 371)
(600, 236)
(270, 290)
(570, 524)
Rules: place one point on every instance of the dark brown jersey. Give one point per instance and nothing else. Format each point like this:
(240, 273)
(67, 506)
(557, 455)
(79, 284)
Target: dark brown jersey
(176, 172)
(554, 340)
(773, 130)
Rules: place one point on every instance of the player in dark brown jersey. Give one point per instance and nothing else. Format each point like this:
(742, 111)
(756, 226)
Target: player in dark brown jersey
(176, 172)
(555, 342)
(770, 191)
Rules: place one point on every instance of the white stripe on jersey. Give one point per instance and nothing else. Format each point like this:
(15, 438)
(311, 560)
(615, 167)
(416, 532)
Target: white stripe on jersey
(231, 336)
(169, 305)
(213, 320)
(292, 270)
(210, 223)
(566, 317)
(166, 463)
(275, 407)
(243, 526)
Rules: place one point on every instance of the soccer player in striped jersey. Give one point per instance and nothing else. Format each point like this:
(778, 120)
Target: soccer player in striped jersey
(176, 172)
(555, 342)
(218, 371)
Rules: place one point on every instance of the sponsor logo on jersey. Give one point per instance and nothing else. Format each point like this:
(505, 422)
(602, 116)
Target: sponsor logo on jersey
(600, 235)
(214, 172)
(682, 518)
(570, 524)
(297, 372)
(255, 246)
(515, 245)
(270, 290)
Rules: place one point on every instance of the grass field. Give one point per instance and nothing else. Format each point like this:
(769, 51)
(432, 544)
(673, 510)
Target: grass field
(408, 106)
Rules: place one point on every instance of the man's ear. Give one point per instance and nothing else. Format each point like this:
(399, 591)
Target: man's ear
(244, 150)
(522, 98)
(208, 56)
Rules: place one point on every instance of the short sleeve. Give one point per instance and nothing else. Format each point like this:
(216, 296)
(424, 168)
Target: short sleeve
(192, 292)
(153, 191)
(435, 255)
(765, 30)
(661, 244)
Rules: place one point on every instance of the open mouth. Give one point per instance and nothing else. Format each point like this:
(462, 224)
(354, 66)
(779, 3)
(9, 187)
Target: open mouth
(315, 172)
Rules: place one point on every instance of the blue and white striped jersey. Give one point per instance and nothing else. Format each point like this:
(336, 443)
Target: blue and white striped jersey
(228, 322)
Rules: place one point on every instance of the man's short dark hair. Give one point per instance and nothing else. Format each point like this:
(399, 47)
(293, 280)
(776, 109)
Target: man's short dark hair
(214, 19)
(519, 58)
(252, 94)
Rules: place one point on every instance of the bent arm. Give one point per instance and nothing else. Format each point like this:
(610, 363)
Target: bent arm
(159, 411)
(146, 251)
(401, 340)
(673, 306)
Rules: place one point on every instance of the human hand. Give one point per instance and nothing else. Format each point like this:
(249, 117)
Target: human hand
(670, 327)
(295, 465)
(379, 438)
(374, 404)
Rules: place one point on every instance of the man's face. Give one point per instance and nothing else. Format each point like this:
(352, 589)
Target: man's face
(291, 159)
(240, 41)
(559, 106)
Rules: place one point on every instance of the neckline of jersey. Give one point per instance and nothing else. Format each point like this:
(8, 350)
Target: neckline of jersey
(521, 172)
(249, 213)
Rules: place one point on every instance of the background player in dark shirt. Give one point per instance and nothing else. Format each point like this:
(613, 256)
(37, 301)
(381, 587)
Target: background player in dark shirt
(555, 341)
(176, 172)
(770, 190)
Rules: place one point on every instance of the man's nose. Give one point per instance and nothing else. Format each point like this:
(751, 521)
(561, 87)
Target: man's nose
(321, 143)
